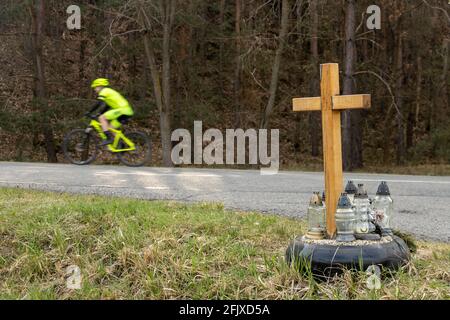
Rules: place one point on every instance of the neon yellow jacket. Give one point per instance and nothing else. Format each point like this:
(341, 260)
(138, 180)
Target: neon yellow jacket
(114, 99)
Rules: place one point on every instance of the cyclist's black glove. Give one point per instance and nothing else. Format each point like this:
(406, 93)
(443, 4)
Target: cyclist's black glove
(99, 105)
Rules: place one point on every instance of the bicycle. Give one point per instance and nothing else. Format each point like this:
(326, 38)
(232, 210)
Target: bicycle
(81, 146)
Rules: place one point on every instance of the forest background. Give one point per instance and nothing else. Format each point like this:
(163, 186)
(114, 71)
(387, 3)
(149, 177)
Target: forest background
(230, 64)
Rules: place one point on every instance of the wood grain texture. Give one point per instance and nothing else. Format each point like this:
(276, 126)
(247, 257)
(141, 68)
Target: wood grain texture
(358, 101)
(306, 104)
(332, 149)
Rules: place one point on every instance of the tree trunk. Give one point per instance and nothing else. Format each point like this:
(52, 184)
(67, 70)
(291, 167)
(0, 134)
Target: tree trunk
(238, 68)
(349, 61)
(398, 93)
(276, 65)
(162, 92)
(314, 121)
(192, 35)
(414, 110)
(357, 135)
(386, 54)
(297, 133)
(221, 46)
(81, 74)
(40, 91)
(169, 7)
(418, 96)
(387, 126)
(410, 128)
(443, 86)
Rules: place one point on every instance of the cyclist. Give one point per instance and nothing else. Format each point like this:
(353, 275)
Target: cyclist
(114, 108)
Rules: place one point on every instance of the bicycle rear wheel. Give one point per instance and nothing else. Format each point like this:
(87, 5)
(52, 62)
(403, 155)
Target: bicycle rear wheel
(142, 154)
(80, 147)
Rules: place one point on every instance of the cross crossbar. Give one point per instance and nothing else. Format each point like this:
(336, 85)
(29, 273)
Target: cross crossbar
(307, 104)
(357, 101)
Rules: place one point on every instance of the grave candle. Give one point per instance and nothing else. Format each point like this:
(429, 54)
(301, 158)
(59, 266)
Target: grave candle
(345, 220)
(383, 207)
(316, 218)
(362, 205)
(351, 189)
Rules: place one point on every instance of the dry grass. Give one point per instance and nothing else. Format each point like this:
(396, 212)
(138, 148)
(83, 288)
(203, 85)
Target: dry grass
(132, 249)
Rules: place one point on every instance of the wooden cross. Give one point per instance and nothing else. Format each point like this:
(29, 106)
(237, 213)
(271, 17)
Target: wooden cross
(331, 104)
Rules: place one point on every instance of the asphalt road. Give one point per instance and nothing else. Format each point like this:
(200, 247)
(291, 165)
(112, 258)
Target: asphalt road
(422, 203)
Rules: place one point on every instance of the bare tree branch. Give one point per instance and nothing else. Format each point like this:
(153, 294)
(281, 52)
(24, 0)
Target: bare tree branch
(387, 86)
(438, 8)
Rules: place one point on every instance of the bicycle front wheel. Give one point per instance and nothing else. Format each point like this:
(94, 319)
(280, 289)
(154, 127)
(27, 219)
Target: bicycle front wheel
(141, 155)
(80, 147)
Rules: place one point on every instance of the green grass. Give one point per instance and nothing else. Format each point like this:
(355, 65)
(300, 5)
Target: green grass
(133, 249)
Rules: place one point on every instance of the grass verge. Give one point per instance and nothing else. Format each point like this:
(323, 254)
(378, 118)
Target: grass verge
(134, 249)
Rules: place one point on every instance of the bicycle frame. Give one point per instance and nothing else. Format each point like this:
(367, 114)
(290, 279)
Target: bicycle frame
(118, 135)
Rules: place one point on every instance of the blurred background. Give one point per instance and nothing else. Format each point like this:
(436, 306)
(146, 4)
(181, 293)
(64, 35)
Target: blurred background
(231, 64)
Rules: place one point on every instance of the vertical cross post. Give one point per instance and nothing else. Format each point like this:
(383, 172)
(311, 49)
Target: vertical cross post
(332, 149)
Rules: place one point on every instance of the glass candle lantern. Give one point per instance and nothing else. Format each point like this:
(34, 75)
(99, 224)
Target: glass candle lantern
(350, 190)
(361, 204)
(345, 220)
(382, 208)
(316, 218)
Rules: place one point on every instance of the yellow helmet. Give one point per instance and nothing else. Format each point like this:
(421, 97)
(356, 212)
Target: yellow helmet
(101, 82)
